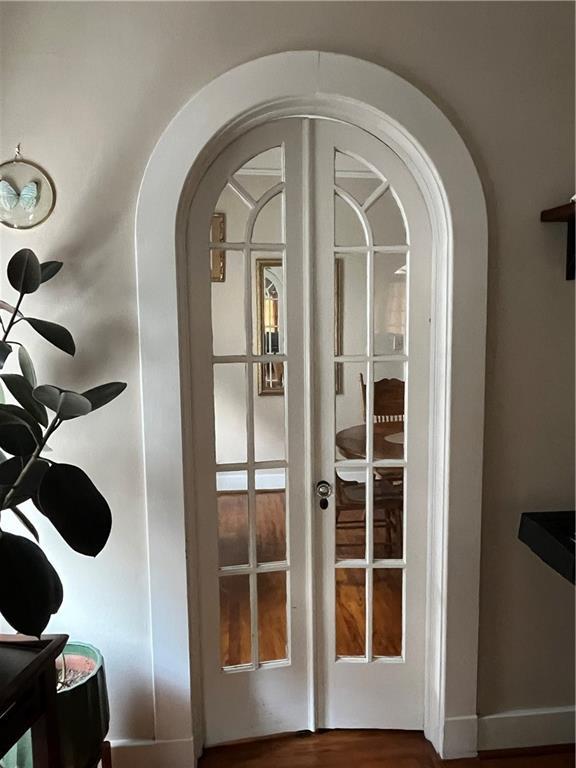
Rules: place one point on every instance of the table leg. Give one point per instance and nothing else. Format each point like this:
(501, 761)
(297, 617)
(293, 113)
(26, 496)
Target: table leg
(45, 731)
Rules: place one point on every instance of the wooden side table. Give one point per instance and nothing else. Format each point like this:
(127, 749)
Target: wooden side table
(28, 695)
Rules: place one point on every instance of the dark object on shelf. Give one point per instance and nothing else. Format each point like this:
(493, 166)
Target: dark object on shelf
(28, 695)
(550, 535)
(564, 213)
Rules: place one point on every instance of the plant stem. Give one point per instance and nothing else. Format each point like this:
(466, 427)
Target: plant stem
(52, 427)
(13, 318)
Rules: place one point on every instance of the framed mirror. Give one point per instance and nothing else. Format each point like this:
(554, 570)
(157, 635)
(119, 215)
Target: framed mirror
(270, 332)
(270, 314)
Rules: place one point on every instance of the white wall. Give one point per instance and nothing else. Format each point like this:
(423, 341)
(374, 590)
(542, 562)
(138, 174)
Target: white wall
(88, 89)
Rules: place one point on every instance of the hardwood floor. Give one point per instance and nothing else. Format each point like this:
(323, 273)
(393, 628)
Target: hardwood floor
(235, 590)
(363, 749)
(271, 587)
(330, 749)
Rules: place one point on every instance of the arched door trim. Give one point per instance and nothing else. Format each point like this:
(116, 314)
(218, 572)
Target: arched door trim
(370, 97)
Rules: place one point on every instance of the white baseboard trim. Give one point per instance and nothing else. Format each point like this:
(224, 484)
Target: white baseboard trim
(526, 728)
(460, 737)
(178, 753)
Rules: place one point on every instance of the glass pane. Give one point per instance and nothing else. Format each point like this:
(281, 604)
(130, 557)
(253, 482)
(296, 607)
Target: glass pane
(272, 624)
(350, 611)
(269, 418)
(261, 172)
(230, 218)
(388, 495)
(389, 303)
(270, 515)
(350, 422)
(230, 412)
(269, 225)
(387, 612)
(386, 221)
(271, 378)
(268, 304)
(355, 177)
(350, 514)
(232, 499)
(388, 414)
(235, 643)
(350, 304)
(347, 226)
(228, 312)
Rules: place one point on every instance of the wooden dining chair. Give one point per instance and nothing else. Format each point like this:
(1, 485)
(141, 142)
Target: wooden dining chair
(388, 400)
(351, 507)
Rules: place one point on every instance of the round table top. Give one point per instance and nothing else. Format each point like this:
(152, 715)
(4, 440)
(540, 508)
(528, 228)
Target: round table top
(352, 441)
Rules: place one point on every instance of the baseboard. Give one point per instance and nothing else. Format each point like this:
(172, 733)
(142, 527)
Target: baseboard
(526, 728)
(460, 737)
(153, 754)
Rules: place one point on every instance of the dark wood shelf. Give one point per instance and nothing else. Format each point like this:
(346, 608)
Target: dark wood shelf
(564, 214)
(550, 535)
(560, 213)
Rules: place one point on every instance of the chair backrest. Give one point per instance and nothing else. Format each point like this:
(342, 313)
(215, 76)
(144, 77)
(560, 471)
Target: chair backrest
(388, 400)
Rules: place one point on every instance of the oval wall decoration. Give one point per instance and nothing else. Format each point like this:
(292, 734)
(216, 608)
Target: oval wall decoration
(27, 194)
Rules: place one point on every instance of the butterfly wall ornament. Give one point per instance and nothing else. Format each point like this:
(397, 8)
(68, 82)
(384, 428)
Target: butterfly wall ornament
(27, 194)
(10, 198)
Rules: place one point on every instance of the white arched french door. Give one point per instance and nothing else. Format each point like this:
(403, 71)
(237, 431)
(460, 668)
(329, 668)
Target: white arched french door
(313, 242)
(173, 305)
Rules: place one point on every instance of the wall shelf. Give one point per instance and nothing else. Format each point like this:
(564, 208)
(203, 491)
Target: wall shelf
(564, 213)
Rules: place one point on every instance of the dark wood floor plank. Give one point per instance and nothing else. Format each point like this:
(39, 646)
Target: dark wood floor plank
(362, 749)
(271, 542)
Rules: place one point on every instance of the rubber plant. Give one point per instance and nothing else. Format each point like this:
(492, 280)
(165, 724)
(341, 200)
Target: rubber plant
(30, 588)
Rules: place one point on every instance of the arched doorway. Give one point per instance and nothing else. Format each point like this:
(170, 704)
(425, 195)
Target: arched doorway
(328, 86)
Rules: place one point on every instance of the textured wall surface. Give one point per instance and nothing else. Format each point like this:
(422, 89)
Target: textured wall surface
(89, 87)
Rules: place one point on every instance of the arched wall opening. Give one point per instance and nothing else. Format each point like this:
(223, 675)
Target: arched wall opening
(325, 85)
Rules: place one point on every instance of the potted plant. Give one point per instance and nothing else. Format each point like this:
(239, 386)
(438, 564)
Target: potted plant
(30, 588)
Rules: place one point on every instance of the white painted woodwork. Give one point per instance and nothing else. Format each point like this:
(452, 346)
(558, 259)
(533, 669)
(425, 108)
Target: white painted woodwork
(252, 699)
(363, 94)
(255, 699)
(375, 692)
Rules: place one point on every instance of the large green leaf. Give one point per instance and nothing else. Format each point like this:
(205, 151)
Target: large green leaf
(54, 333)
(30, 588)
(104, 394)
(5, 350)
(27, 488)
(48, 269)
(24, 271)
(66, 404)
(21, 389)
(76, 508)
(23, 415)
(16, 435)
(26, 366)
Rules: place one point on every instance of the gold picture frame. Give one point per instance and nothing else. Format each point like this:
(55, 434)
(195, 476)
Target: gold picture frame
(338, 325)
(218, 255)
(271, 374)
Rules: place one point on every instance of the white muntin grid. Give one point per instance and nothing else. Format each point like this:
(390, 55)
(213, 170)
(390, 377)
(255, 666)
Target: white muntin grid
(368, 564)
(249, 361)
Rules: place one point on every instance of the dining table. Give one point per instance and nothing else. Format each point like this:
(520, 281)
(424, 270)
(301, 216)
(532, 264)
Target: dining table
(388, 441)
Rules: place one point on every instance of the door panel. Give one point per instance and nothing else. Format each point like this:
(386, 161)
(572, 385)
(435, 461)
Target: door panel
(251, 498)
(314, 336)
(372, 287)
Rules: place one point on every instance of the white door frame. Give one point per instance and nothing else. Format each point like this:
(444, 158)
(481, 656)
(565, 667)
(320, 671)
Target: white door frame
(316, 84)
